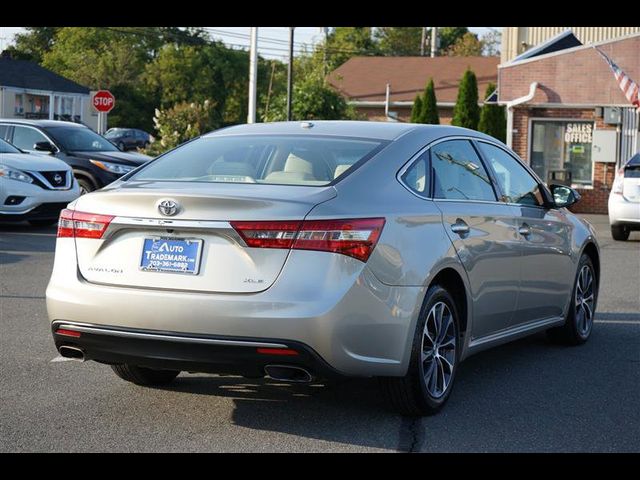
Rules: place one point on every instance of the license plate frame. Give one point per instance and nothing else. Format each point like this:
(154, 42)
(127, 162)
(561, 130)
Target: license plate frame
(194, 262)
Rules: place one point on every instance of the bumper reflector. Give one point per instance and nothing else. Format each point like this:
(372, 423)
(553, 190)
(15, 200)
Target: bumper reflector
(277, 351)
(68, 333)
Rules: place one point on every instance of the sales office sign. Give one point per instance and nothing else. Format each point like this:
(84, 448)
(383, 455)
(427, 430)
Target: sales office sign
(578, 133)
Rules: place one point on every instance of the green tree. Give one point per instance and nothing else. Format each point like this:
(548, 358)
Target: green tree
(313, 98)
(33, 43)
(466, 112)
(398, 41)
(346, 42)
(466, 46)
(96, 57)
(429, 112)
(182, 122)
(492, 118)
(450, 35)
(416, 110)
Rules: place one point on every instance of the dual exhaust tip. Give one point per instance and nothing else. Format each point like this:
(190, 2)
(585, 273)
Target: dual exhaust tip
(288, 373)
(73, 353)
(284, 373)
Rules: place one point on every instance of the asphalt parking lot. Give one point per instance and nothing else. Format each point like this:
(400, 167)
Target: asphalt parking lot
(527, 396)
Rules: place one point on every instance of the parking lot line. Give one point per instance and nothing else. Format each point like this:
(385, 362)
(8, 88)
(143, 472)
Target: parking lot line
(619, 322)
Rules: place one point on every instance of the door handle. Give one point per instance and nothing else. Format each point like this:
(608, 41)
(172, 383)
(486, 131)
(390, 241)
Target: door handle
(524, 230)
(460, 227)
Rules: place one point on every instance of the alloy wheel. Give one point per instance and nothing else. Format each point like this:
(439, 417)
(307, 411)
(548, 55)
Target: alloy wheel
(438, 353)
(584, 301)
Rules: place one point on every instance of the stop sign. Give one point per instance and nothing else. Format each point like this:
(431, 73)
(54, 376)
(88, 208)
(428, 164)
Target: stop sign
(104, 101)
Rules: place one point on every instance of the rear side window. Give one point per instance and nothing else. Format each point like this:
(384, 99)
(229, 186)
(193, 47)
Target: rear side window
(459, 173)
(267, 159)
(417, 175)
(3, 132)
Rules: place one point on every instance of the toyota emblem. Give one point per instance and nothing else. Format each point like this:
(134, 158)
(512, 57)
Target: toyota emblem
(57, 178)
(168, 207)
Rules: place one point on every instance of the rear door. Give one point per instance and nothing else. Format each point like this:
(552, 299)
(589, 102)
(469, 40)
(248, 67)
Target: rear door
(482, 231)
(546, 275)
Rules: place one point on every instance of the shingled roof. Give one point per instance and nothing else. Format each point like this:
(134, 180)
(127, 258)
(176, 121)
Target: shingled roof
(30, 75)
(365, 78)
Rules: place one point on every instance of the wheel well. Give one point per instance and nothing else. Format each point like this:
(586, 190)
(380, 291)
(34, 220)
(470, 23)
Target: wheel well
(79, 174)
(591, 250)
(451, 281)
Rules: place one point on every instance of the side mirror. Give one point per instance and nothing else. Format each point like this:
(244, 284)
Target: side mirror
(564, 196)
(44, 147)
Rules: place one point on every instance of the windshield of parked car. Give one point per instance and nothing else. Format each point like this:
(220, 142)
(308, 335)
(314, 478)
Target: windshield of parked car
(267, 159)
(79, 139)
(6, 147)
(115, 132)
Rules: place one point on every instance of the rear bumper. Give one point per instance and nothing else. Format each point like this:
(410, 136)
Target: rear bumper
(623, 212)
(328, 303)
(177, 351)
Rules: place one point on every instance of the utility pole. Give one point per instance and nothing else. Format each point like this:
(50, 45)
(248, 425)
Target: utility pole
(290, 74)
(423, 41)
(434, 41)
(324, 50)
(253, 75)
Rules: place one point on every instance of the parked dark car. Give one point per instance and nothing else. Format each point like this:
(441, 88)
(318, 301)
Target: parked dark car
(128, 138)
(95, 161)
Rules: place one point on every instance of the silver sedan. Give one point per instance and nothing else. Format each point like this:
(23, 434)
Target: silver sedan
(305, 251)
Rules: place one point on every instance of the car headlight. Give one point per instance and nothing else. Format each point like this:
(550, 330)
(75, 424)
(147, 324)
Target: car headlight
(14, 174)
(112, 167)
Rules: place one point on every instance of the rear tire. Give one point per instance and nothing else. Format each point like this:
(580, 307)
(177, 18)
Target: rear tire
(419, 392)
(144, 376)
(578, 325)
(620, 232)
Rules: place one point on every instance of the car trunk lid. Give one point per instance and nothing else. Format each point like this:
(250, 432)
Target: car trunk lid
(200, 227)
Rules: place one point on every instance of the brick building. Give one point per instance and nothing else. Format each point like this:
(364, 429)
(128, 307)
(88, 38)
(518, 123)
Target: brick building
(363, 82)
(567, 116)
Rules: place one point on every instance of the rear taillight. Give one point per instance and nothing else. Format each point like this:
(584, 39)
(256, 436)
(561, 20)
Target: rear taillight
(618, 182)
(82, 225)
(353, 237)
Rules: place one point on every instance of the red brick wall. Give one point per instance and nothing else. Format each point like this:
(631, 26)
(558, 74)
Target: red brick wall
(576, 77)
(594, 200)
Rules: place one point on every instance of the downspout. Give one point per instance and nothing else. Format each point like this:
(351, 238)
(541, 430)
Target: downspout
(386, 102)
(513, 103)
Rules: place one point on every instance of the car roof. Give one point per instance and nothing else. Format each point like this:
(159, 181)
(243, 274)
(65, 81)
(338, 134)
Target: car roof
(42, 123)
(343, 128)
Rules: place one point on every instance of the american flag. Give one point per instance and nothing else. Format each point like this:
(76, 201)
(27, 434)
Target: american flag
(628, 86)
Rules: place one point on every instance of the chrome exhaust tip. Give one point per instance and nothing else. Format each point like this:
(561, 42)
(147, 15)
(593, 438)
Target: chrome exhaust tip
(288, 373)
(74, 353)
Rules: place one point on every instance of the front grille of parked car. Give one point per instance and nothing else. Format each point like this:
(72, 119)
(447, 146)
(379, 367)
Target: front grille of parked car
(56, 179)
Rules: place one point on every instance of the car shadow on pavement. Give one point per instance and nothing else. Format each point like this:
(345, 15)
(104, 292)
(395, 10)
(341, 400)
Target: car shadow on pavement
(528, 375)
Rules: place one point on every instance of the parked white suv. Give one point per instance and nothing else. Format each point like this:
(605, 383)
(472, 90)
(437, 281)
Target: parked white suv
(33, 187)
(624, 200)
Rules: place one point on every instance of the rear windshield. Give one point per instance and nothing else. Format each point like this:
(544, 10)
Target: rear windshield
(632, 171)
(289, 160)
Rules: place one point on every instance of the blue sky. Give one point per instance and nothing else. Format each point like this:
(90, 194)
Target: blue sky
(272, 41)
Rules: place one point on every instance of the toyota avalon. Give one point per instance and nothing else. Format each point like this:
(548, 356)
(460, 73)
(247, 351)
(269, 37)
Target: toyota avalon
(313, 250)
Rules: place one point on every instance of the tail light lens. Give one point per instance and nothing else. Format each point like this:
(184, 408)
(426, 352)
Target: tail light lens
(618, 183)
(82, 225)
(352, 237)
